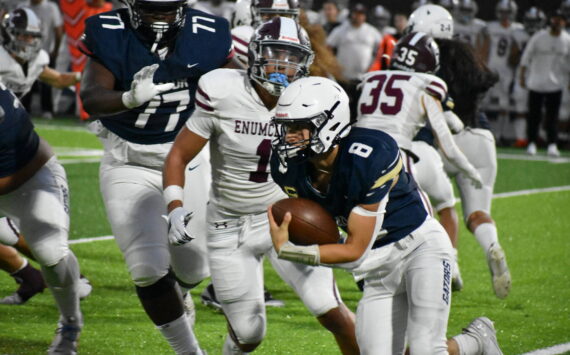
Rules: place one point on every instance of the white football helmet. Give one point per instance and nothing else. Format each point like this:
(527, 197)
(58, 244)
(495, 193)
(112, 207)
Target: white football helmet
(506, 8)
(243, 15)
(466, 11)
(318, 104)
(434, 20)
(22, 33)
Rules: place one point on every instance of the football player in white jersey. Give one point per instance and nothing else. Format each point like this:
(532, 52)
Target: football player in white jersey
(468, 79)
(237, 124)
(415, 60)
(468, 28)
(500, 50)
(438, 23)
(534, 20)
(22, 61)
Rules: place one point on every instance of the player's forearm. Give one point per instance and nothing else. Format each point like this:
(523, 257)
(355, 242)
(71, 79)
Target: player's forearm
(65, 80)
(100, 101)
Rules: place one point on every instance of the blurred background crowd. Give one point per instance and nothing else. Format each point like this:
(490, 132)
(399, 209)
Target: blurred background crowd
(351, 37)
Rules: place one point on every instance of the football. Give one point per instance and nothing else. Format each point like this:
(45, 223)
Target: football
(310, 222)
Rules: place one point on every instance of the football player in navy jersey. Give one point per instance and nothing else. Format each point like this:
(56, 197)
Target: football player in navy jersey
(401, 252)
(140, 79)
(34, 192)
(233, 113)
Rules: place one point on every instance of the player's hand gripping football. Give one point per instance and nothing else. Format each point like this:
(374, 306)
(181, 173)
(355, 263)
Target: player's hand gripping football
(143, 89)
(279, 233)
(178, 219)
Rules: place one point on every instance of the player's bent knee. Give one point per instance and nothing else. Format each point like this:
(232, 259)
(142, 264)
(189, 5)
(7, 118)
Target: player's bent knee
(338, 320)
(146, 275)
(249, 331)
(49, 254)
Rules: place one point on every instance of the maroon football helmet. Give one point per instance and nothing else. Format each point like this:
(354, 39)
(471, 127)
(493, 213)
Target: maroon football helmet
(416, 52)
(279, 53)
(264, 10)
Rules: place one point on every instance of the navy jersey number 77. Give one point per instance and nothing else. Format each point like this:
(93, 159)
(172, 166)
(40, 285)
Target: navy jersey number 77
(202, 44)
(369, 161)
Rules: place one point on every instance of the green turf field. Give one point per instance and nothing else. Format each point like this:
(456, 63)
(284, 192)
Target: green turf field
(533, 231)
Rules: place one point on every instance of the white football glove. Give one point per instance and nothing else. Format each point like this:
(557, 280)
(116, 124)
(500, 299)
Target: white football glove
(143, 89)
(178, 219)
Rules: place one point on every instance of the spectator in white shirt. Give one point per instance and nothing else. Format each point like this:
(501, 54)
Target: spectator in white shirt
(354, 43)
(545, 67)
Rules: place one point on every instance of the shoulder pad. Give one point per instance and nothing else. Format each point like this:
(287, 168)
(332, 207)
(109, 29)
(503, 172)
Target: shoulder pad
(435, 86)
(213, 88)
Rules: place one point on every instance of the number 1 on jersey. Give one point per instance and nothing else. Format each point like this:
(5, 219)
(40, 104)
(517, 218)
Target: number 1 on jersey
(264, 152)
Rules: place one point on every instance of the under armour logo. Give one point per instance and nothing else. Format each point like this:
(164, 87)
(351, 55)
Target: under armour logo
(220, 225)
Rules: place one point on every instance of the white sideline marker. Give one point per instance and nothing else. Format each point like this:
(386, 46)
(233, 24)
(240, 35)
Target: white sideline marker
(553, 350)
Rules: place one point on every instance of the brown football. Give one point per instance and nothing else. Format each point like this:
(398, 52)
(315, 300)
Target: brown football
(310, 222)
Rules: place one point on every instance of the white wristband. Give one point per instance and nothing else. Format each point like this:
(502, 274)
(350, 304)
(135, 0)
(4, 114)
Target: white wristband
(77, 76)
(173, 193)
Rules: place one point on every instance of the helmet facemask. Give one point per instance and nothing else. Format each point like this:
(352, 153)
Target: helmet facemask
(276, 64)
(162, 32)
(324, 133)
(24, 44)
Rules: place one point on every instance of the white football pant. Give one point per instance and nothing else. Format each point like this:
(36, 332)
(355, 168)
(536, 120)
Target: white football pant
(135, 205)
(478, 145)
(40, 207)
(236, 247)
(408, 295)
(431, 177)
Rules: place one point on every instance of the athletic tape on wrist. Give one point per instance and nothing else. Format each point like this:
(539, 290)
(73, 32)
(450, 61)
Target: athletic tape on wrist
(309, 255)
(173, 193)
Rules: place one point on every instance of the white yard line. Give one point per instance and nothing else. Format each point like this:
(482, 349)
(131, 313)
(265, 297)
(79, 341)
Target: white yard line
(553, 350)
(559, 160)
(78, 152)
(79, 161)
(56, 127)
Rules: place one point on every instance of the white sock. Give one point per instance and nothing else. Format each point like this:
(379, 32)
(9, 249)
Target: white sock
(8, 231)
(468, 345)
(180, 336)
(486, 235)
(63, 279)
(231, 348)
